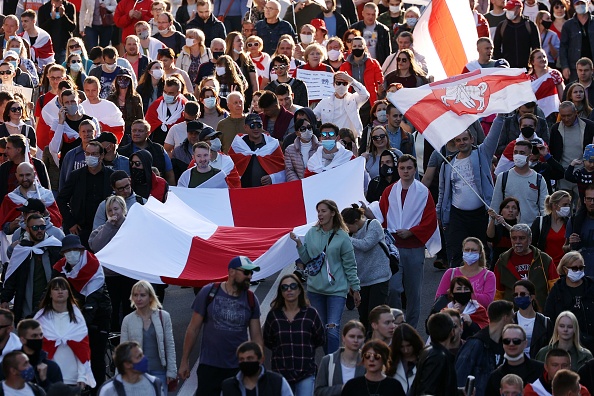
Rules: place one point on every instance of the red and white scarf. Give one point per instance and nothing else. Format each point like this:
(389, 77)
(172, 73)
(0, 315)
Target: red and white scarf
(270, 156)
(86, 276)
(42, 51)
(316, 161)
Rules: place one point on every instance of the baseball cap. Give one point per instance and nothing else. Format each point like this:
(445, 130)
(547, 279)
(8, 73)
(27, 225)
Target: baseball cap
(589, 153)
(501, 63)
(208, 132)
(252, 117)
(107, 137)
(580, 1)
(191, 109)
(195, 126)
(11, 54)
(32, 205)
(242, 262)
(511, 4)
(319, 24)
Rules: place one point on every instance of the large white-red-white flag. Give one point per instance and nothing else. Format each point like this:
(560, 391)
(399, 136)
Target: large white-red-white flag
(546, 94)
(444, 109)
(191, 238)
(446, 36)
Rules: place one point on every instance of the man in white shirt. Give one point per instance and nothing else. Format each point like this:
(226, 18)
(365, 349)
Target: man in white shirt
(342, 108)
(106, 112)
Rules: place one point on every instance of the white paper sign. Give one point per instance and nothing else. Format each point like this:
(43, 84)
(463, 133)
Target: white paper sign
(26, 92)
(319, 84)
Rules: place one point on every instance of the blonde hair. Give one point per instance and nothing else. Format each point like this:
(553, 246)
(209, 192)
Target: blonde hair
(154, 300)
(554, 199)
(576, 330)
(315, 46)
(197, 34)
(567, 259)
(116, 199)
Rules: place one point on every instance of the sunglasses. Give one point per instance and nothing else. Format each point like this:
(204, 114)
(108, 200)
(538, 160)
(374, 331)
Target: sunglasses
(341, 83)
(328, 134)
(369, 355)
(72, 62)
(255, 125)
(16, 109)
(7, 72)
(402, 60)
(250, 45)
(136, 163)
(279, 67)
(521, 294)
(292, 286)
(305, 128)
(379, 137)
(73, 46)
(5, 326)
(515, 341)
(576, 269)
(38, 227)
(245, 272)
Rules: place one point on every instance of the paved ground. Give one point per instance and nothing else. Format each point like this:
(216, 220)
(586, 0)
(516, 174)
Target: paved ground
(178, 302)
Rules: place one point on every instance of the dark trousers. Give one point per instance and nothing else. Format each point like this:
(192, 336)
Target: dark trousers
(371, 297)
(210, 379)
(463, 224)
(119, 288)
(97, 35)
(98, 343)
(232, 23)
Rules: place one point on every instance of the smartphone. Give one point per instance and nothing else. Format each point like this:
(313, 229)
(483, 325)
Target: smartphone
(469, 387)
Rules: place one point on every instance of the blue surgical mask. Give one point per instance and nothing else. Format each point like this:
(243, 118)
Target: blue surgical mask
(142, 365)
(28, 374)
(470, 257)
(14, 64)
(522, 302)
(169, 99)
(329, 144)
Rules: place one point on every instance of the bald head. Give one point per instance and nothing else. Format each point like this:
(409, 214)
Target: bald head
(25, 174)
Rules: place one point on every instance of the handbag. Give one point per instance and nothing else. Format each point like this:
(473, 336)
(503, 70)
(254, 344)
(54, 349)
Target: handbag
(314, 266)
(106, 17)
(172, 385)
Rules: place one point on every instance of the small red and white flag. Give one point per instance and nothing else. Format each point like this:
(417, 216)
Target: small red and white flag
(546, 94)
(444, 109)
(446, 36)
(190, 239)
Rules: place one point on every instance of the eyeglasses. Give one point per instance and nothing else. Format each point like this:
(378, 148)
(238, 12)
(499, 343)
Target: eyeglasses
(341, 83)
(328, 134)
(279, 67)
(124, 188)
(588, 199)
(73, 46)
(73, 61)
(402, 60)
(292, 286)
(16, 109)
(38, 227)
(7, 72)
(250, 45)
(369, 355)
(379, 137)
(255, 125)
(521, 294)
(515, 341)
(59, 78)
(305, 128)
(576, 269)
(136, 163)
(5, 326)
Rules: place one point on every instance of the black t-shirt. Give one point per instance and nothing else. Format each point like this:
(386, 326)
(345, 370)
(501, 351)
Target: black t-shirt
(94, 195)
(362, 386)
(67, 146)
(577, 293)
(586, 48)
(254, 171)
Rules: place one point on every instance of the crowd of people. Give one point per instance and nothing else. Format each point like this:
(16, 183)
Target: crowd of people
(106, 104)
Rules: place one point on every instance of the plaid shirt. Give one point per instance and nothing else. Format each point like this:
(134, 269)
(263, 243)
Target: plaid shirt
(293, 344)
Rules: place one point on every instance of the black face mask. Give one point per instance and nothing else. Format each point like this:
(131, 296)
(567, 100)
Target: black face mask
(386, 170)
(249, 368)
(35, 345)
(358, 52)
(546, 24)
(138, 176)
(527, 132)
(217, 55)
(462, 297)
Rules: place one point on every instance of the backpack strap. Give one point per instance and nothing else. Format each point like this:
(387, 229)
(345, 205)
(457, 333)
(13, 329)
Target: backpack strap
(331, 367)
(504, 176)
(503, 26)
(538, 183)
(214, 289)
(251, 300)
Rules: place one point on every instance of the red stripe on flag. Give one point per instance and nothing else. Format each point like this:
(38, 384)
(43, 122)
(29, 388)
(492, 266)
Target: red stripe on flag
(428, 109)
(208, 258)
(547, 88)
(277, 205)
(446, 38)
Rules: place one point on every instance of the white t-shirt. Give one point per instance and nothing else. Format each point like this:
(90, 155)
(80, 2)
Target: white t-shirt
(463, 197)
(348, 373)
(305, 147)
(8, 391)
(528, 326)
(530, 11)
(370, 36)
(177, 134)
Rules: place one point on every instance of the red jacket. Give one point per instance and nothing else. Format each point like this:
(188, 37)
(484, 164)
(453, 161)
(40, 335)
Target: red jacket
(122, 19)
(372, 77)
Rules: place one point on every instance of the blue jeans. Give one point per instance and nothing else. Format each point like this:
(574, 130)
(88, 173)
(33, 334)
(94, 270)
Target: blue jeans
(305, 387)
(97, 35)
(162, 375)
(330, 310)
(411, 275)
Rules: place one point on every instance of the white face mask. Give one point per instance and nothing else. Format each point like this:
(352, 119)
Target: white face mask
(559, 16)
(190, 42)
(110, 68)
(520, 160)
(91, 161)
(221, 70)
(333, 55)
(162, 32)
(575, 276)
(564, 211)
(510, 14)
(157, 73)
(210, 103)
(72, 257)
(581, 9)
(307, 135)
(341, 90)
(215, 144)
(76, 67)
(395, 9)
(381, 116)
(306, 38)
